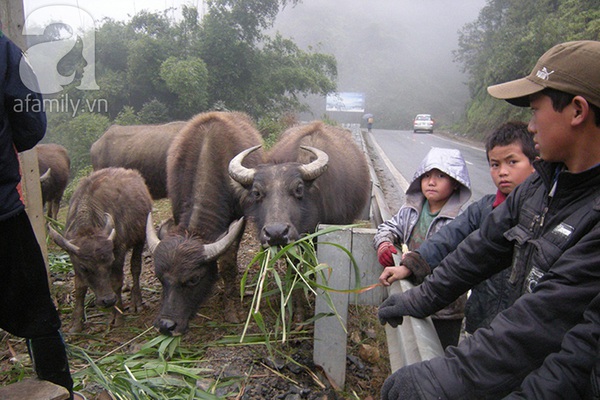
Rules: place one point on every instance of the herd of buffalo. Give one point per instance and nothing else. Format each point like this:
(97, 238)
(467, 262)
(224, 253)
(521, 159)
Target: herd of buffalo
(215, 173)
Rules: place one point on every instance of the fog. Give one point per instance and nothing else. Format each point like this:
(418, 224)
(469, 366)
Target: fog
(397, 52)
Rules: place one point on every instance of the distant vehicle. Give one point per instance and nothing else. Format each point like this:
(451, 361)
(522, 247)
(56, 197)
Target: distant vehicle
(423, 122)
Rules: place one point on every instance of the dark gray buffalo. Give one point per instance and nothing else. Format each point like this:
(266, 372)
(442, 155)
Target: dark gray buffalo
(107, 217)
(55, 167)
(141, 147)
(315, 174)
(205, 207)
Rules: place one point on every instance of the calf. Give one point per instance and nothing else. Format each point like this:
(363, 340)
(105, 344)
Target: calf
(106, 218)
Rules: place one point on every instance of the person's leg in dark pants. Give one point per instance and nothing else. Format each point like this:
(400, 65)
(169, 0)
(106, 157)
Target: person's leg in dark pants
(26, 307)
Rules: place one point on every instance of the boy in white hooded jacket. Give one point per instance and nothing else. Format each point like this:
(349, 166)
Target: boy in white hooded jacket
(435, 196)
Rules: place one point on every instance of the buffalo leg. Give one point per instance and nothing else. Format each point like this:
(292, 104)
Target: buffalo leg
(116, 278)
(231, 286)
(136, 270)
(79, 310)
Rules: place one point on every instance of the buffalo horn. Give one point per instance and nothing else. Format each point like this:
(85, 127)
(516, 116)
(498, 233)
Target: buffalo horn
(62, 242)
(109, 228)
(214, 250)
(151, 236)
(46, 175)
(238, 172)
(313, 170)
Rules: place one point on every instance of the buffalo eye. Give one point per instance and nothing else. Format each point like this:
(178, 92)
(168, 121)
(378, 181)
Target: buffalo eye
(298, 190)
(195, 279)
(256, 194)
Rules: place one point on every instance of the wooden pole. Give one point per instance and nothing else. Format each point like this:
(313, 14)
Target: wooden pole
(12, 17)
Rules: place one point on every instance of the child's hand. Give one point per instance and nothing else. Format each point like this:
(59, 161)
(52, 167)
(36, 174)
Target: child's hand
(391, 274)
(384, 254)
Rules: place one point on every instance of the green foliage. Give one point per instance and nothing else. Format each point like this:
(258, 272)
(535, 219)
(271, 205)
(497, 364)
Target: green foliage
(79, 175)
(293, 268)
(78, 134)
(505, 42)
(154, 112)
(188, 79)
(127, 116)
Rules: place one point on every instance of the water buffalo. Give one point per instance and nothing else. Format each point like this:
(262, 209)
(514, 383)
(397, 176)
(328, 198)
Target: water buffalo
(204, 205)
(55, 167)
(107, 217)
(141, 147)
(314, 174)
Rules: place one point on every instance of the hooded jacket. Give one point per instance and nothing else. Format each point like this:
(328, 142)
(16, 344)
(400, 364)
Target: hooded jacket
(22, 123)
(548, 230)
(399, 229)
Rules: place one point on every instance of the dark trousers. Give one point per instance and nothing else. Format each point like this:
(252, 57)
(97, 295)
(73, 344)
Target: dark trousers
(26, 306)
(448, 330)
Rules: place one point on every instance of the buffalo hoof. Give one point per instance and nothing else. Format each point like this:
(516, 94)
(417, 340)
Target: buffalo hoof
(76, 327)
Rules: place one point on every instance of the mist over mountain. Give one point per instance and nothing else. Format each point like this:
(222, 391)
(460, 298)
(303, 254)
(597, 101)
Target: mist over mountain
(397, 52)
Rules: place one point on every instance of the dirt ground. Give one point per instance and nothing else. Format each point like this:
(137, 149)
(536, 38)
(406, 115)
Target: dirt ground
(367, 363)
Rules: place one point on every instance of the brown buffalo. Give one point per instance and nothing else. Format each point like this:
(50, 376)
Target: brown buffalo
(55, 167)
(204, 205)
(315, 174)
(141, 147)
(107, 217)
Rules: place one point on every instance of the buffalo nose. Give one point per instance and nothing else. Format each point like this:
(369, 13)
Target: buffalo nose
(276, 234)
(106, 302)
(166, 326)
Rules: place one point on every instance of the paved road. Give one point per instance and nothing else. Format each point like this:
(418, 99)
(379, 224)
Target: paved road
(406, 149)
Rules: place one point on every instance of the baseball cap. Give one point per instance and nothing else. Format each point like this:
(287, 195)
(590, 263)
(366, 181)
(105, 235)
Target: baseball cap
(571, 67)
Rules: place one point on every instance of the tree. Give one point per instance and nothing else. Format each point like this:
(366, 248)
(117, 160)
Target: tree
(505, 42)
(188, 80)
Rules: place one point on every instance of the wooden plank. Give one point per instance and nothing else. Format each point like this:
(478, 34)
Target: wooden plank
(329, 349)
(33, 389)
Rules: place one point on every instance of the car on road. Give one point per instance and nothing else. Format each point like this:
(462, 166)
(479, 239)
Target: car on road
(423, 122)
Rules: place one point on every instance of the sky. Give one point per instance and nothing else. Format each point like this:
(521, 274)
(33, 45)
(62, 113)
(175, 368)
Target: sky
(97, 10)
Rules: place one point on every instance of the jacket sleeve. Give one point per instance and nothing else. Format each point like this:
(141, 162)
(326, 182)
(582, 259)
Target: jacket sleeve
(482, 254)
(391, 230)
(494, 361)
(23, 106)
(566, 374)
(446, 240)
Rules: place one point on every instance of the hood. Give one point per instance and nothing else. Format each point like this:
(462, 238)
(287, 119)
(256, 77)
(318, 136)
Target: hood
(450, 162)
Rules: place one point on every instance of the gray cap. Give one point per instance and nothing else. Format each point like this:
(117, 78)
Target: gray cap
(571, 67)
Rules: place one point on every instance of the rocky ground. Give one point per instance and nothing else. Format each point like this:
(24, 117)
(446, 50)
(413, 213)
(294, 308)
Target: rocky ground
(262, 376)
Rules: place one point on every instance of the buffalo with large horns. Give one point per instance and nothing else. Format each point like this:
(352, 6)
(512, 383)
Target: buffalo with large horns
(106, 218)
(315, 174)
(207, 218)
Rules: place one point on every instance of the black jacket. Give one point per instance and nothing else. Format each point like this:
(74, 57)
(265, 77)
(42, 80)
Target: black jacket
(553, 246)
(489, 297)
(571, 373)
(22, 123)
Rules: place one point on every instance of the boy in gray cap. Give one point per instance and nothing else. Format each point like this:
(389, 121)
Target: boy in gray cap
(547, 230)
